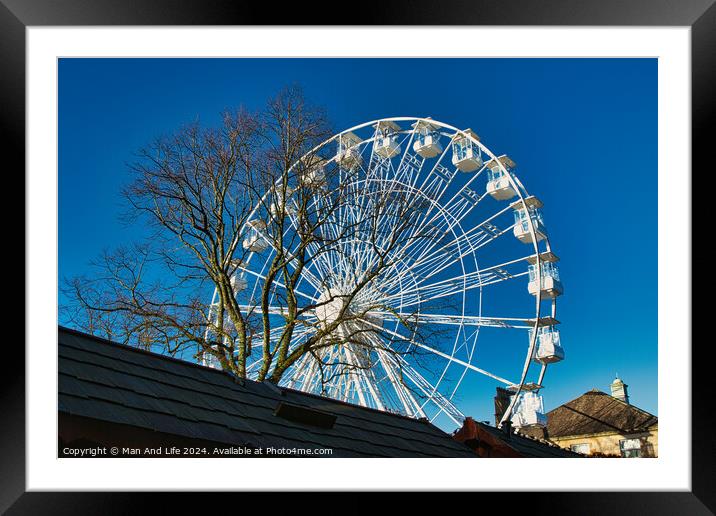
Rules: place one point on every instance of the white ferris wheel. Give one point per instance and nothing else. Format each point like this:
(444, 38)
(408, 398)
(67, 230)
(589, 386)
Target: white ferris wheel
(485, 291)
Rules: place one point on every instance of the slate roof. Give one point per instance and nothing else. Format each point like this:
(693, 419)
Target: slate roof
(597, 412)
(489, 441)
(120, 384)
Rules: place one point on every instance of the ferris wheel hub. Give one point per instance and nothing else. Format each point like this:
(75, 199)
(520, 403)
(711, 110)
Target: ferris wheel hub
(330, 304)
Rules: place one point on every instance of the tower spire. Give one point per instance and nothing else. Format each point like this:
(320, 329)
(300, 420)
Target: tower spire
(619, 389)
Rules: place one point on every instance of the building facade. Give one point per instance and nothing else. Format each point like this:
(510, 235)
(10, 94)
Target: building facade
(600, 424)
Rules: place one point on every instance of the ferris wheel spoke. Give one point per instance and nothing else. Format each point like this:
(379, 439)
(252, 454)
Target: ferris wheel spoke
(435, 183)
(280, 284)
(345, 380)
(405, 397)
(443, 403)
(272, 333)
(444, 218)
(413, 253)
(390, 224)
(306, 373)
(438, 352)
(466, 198)
(410, 165)
(464, 244)
(480, 278)
(332, 226)
(291, 378)
(462, 363)
(352, 255)
(365, 374)
(309, 373)
(458, 320)
(297, 337)
(297, 334)
(321, 269)
(312, 377)
(433, 180)
(439, 172)
(331, 255)
(447, 288)
(306, 274)
(435, 257)
(306, 318)
(346, 376)
(402, 369)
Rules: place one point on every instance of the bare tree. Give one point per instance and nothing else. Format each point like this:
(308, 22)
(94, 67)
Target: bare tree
(261, 186)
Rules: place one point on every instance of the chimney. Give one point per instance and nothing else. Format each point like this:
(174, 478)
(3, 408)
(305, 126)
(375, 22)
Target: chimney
(507, 429)
(502, 401)
(619, 390)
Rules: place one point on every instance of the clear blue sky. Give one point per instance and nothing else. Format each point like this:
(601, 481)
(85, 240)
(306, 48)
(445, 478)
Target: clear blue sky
(583, 132)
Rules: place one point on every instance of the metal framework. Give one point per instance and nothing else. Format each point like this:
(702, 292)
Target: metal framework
(472, 197)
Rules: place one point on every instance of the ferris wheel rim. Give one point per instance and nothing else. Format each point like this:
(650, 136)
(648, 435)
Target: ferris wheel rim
(519, 189)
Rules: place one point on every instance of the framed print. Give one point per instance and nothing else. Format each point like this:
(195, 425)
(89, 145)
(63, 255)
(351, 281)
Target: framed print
(416, 247)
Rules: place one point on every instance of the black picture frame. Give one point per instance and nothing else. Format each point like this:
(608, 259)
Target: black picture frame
(699, 15)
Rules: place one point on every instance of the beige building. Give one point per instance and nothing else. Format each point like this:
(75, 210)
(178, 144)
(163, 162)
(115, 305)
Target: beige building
(597, 423)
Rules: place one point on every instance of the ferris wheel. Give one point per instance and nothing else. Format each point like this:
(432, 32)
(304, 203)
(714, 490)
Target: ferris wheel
(480, 293)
